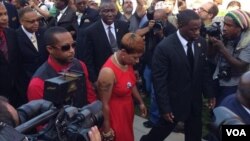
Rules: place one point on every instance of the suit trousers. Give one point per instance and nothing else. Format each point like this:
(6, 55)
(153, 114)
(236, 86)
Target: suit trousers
(193, 130)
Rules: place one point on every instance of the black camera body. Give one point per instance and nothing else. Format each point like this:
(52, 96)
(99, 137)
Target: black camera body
(69, 88)
(74, 123)
(68, 123)
(214, 30)
(225, 73)
(159, 25)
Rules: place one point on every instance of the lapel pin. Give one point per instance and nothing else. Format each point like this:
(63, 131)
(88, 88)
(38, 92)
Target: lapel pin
(199, 44)
(117, 30)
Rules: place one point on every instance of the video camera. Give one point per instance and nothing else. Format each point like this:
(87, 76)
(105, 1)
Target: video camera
(69, 88)
(68, 119)
(66, 124)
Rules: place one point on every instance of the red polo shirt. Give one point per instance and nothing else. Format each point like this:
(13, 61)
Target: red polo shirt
(36, 85)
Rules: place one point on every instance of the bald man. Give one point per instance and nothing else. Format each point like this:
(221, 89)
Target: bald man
(239, 103)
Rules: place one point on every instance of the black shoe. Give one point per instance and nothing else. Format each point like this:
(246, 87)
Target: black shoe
(179, 128)
(148, 124)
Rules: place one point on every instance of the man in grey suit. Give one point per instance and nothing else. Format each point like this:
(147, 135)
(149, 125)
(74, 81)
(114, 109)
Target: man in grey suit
(180, 77)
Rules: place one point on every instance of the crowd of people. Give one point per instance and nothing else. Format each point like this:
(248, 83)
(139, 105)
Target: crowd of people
(182, 58)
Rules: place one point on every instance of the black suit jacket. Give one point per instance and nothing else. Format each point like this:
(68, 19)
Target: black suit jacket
(9, 68)
(31, 59)
(89, 17)
(177, 88)
(96, 46)
(68, 20)
(12, 15)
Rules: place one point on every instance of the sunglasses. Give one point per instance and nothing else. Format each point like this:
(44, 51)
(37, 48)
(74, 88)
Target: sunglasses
(66, 47)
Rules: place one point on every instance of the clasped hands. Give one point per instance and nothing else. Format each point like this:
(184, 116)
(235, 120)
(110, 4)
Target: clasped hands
(108, 136)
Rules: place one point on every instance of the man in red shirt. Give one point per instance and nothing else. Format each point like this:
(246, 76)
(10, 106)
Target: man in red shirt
(60, 46)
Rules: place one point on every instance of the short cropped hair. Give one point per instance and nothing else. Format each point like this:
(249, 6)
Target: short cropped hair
(105, 3)
(213, 10)
(49, 34)
(24, 11)
(185, 16)
(132, 43)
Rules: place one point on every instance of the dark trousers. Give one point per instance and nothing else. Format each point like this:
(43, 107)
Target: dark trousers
(193, 130)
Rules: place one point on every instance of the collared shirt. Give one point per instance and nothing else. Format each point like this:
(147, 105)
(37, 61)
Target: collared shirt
(106, 29)
(61, 13)
(36, 85)
(30, 36)
(27, 33)
(184, 42)
(79, 17)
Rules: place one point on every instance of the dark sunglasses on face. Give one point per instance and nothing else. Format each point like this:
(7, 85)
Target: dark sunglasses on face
(67, 47)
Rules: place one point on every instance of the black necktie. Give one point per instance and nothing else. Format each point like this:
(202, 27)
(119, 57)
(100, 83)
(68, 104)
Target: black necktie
(190, 55)
(112, 39)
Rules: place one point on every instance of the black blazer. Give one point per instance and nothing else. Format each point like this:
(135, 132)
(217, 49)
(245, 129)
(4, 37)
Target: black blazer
(178, 89)
(96, 46)
(89, 17)
(9, 68)
(68, 20)
(31, 59)
(12, 15)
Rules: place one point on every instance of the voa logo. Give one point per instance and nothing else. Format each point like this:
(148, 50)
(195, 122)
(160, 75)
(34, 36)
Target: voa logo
(236, 132)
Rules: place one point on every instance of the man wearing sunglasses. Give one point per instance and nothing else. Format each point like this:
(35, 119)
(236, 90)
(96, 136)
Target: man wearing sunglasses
(61, 48)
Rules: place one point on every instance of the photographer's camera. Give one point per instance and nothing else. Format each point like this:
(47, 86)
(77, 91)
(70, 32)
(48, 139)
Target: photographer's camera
(224, 73)
(214, 30)
(159, 25)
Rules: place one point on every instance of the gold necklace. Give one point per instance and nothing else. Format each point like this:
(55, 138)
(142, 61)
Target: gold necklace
(117, 61)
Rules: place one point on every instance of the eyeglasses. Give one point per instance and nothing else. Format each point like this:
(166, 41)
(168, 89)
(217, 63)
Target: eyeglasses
(202, 9)
(66, 47)
(32, 21)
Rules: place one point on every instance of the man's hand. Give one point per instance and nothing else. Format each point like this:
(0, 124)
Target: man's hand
(151, 24)
(94, 134)
(169, 117)
(31, 3)
(218, 44)
(211, 103)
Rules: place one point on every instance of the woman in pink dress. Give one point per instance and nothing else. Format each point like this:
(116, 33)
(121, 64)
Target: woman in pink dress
(117, 90)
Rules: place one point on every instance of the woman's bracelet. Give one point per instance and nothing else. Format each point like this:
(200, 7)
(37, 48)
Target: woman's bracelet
(110, 133)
